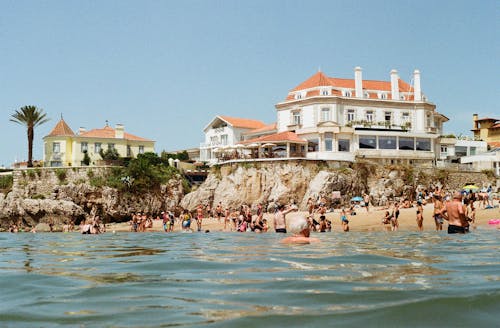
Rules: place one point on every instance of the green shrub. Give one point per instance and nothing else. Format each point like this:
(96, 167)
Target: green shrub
(61, 174)
(31, 174)
(38, 172)
(90, 174)
(6, 182)
(38, 196)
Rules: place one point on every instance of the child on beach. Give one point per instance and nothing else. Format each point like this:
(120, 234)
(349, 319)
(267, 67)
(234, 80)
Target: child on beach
(344, 221)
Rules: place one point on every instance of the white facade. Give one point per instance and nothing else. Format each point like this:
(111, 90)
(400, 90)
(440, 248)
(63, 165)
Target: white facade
(385, 122)
(485, 161)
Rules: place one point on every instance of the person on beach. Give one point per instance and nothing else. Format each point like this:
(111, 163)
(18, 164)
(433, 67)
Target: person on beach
(166, 221)
(344, 221)
(218, 211)
(265, 226)
(438, 217)
(186, 221)
(300, 227)
(199, 216)
(420, 217)
(310, 206)
(454, 213)
(322, 223)
(394, 217)
(279, 218)
(366, 199)
(386, 220)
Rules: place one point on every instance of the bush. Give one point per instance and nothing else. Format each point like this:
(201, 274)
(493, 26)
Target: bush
(61, 174)
(31, 174)
(38, 196)
(489, 173)
(86, 158)
(6, 182)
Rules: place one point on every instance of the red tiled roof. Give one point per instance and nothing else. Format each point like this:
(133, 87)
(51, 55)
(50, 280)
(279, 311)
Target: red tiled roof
(494, 144)
(317, 80)
(109, 133)
(265, 128)
(278, 137)
(242, 122)
(61, 129)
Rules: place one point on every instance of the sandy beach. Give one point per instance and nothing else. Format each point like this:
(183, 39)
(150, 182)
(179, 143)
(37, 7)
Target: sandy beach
(362, 221)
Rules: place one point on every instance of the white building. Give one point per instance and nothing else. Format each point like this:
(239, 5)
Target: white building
(225, 131)
(485, 161)
(344, 119)
(452, 149)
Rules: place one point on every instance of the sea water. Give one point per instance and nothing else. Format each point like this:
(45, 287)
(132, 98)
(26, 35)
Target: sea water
(373, 279)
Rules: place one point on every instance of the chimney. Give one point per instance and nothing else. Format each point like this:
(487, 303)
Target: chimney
(81, 130)
(358, 82)
(119, 131)
(394, 85)
(416, 85)
(475, 117)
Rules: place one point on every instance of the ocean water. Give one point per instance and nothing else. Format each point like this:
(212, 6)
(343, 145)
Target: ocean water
(372, 279)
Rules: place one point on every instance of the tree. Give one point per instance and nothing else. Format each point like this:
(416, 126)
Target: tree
(86, 158)
(30, 116)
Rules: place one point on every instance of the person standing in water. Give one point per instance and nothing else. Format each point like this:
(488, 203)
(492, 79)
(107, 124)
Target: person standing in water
(279, 218)
(454, 213)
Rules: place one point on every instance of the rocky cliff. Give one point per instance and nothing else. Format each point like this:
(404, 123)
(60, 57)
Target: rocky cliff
(61, 195)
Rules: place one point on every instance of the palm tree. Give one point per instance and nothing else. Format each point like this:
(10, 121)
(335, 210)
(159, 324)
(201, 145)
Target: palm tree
(30, 116)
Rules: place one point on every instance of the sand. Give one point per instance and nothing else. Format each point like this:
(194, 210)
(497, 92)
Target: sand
(362, 221)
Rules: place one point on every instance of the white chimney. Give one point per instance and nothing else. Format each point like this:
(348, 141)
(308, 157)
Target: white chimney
(416, 85)
(119, 131)
(394, 85)
(81, 130)
(358, 82)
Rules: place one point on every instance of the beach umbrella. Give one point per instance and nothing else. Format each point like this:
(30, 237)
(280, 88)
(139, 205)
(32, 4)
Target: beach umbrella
(357, 199)
(253, 145)
(470, 187)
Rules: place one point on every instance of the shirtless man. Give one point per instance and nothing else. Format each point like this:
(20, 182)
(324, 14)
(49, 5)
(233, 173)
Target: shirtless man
(218, 211)
(279, 218)
(454, 213)
(300, 227)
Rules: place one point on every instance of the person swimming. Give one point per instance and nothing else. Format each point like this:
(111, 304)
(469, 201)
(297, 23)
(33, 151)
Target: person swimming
(300, 227)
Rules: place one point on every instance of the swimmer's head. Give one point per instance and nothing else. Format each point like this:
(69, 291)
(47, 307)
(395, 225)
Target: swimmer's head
(298, 224)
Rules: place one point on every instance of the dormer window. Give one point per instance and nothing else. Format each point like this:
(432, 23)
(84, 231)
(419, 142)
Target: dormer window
(325, 93)
(367, 95)
(402, 97)
(347, 93)
(383, 96)
(298, 96)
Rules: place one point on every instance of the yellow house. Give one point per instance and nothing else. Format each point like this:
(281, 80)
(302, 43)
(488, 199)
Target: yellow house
(62, 147)
(487, 129)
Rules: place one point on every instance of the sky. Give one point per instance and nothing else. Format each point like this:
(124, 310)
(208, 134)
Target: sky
(164, 69)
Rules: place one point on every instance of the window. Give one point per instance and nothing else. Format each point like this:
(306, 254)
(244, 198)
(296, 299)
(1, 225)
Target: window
(298, 96)
(423, 144)
(129, 151)
(387, 117)
(405, 117)
(444, 150)
(223, 139)
(367, 95)
(97, 147)
(296, 119)
(344, 145)
(350, 115)
(84, 147)
(369, 116)
(325, 114)
(347, 93)
(383, 96)
(111, 146)
(460, 151)
(312, 145)
(368, 142)
(141, 149)
(472, 151)
(406, 143)
(329, 141)
(56, 147)
(55, 163)
(213, 140)
(325, 93)
(429, 120)
(386, 142)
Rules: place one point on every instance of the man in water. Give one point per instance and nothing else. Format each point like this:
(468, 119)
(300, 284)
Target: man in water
(279, 218)
(455, 215)
(300, 227)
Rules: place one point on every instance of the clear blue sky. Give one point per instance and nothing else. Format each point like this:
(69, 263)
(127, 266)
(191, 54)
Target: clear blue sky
(165, 68)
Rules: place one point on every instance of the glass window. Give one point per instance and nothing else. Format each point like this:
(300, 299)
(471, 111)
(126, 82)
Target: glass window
(129, 151)
(84, 147)
(406, 143)
(111, 146)
(141, 149)
(223, 139)
(325, 114)
(55, 163)
(312, 145)
(328, 141)
(350, 115)
(405, 117)
(460, 151)
(369, 116)
(344, 145)
(56, 147)
(97, 147)
(296, 118)
(472, 151)
(387, 142)
(444, 150)
(368, 142)
(388, 116)
(423, 144)
(324, 92)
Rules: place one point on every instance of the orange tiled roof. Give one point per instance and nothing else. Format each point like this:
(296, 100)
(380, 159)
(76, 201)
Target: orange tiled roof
(278, 137)
(61, 129)
(495, 126)
(242, 122)
(109, 133)
(494, 144)
(265, 128)
(319, 79)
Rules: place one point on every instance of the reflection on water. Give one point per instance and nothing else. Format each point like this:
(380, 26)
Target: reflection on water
(217, 279)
